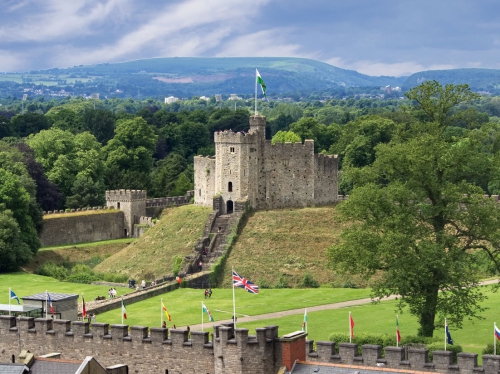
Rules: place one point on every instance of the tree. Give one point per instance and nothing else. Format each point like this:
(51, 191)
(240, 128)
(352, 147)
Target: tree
(415, 219)
(29, 123)
(100, 123)
(285, 136)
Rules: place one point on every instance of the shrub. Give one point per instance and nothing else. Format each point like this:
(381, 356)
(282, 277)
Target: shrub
(50, 269)
(86, 278)
(282, 283)
(439, 346)
(263, 284)
(489, 349)
(113, 277)
(81, 268)
(309, 282)
(176, 265)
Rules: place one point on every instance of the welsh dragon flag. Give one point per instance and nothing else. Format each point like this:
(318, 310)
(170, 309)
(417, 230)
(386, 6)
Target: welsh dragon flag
(205, 310)
(261, 82)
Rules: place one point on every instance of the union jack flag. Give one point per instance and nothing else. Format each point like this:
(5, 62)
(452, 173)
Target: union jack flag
(239, 281)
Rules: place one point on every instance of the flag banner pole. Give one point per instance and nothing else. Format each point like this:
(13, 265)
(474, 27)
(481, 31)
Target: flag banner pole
(161, 312)
(202, 316)
(350, 329)
(122, 311)
(445, 335)
(46, 304)
(305, 319)
(494, 338)
(234, 300)
(397, 330)
(255, 98)
(10, 290)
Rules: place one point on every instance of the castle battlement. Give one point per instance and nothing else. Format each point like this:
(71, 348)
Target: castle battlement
(126, 195)
(234, 137)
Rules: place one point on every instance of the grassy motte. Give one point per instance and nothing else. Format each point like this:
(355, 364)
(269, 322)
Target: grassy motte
(152, 255)
(283, 245)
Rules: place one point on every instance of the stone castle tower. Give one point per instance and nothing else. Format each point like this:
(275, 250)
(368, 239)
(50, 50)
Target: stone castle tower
(133, 205)
(247, 168)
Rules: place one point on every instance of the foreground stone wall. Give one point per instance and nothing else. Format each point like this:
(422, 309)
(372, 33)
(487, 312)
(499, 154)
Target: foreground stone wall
(69, 228)
(231, 351)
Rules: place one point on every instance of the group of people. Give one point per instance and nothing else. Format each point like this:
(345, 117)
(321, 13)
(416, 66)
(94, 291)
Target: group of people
(208, 293)
(111, 293)
(231, 132)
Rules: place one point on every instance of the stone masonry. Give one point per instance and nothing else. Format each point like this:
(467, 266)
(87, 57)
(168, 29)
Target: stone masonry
(230, 351)
(246, 167)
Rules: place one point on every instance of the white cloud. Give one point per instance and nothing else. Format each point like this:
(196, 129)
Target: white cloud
(62, 19)
(265, 43)
(377, 68)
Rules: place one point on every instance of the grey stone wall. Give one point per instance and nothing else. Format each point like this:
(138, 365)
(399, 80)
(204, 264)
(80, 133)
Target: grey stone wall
(82, 228)
(247, 167)
(131, 202)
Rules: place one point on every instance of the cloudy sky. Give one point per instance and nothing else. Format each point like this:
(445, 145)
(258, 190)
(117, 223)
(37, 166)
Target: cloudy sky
(375, 37)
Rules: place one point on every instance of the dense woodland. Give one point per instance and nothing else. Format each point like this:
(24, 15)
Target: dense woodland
(61, 154)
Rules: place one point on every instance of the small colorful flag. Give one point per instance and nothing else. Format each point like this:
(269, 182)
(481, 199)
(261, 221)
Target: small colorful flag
(14, 297)
(205, 309)
(497, 332)
(398, 335)
(50, 304)
(351, 324)
(124, 311)
(165, 310)
(241, 282)
(84, 309)
(261, 82)
(304, 322)
(448, 336)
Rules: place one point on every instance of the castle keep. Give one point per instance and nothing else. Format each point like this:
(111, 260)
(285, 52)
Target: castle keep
(247, 168)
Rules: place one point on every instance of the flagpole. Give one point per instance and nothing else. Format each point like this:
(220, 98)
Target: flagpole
(350, 329)
(397, 327)
(202, 316)
(10, 290)
(494, 338)
(306, 320)
(255, 97)
(122, 310)
(232, 270)
(46, 304)
(445, 335)
(161, 312)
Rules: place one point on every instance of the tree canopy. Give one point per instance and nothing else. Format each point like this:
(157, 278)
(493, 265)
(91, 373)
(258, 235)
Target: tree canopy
(418, 219)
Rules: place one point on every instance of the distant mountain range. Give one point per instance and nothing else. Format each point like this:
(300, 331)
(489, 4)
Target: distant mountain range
(188, 76)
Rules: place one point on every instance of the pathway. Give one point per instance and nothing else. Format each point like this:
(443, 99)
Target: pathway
(317, 308)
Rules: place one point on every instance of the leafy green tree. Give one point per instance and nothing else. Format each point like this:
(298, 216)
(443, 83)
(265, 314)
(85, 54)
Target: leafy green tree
(100, 123)
(182, 185)
(285, 136)
(66, 119)
(129, 155)
(13, 251)
(166, 174)
(29, 123)
(86, 193)
(416, 220)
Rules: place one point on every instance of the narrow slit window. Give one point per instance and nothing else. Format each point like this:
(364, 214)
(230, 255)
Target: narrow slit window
(230, 187)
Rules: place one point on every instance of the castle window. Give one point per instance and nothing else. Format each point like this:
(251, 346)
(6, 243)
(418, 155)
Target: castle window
(118, 205)
(231, 149)
(199, 193)
(230, 187)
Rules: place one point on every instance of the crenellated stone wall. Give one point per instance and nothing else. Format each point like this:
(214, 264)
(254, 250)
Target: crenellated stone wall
(230, 351)
(248, 168)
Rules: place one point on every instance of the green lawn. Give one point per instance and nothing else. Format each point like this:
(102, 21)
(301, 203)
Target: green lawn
(24, 284)
(88, 244)
(184, 305)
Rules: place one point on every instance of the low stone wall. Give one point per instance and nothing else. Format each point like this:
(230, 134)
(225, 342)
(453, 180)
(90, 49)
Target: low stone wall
(71, 228)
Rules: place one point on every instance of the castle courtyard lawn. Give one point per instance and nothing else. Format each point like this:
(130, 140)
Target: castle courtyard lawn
(24, 284)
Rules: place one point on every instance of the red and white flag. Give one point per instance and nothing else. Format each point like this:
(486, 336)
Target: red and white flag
(124, 311)
(84, 309)
(351, 325)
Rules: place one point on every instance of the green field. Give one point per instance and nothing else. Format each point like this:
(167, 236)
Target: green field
(184, 305)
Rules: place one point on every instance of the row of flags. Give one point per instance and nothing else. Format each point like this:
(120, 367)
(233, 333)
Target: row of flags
(13, 296)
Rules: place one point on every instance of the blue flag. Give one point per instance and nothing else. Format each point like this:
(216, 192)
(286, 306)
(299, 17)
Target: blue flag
(448, 336)
(14, 297)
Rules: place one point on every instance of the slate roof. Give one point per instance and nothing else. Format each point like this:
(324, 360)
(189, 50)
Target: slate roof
(53, 296)
(13, 369)
(55, 366)
(305, 367)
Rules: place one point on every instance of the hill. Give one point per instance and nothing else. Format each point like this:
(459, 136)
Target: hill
(278, 247)
(477, 79)
(153, 254)
(191, 76)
